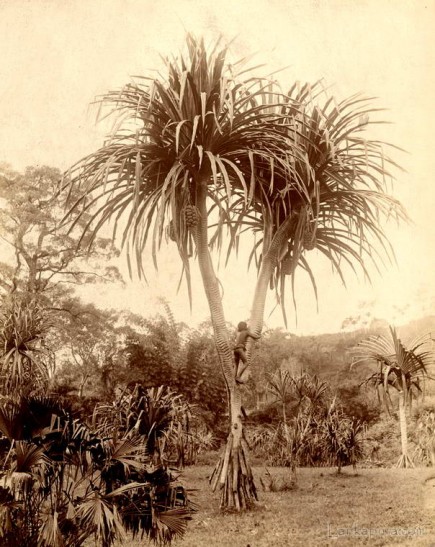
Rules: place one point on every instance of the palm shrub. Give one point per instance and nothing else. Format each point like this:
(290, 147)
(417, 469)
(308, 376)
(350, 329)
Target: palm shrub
(340, 438)
(279, 385)
(158, 414)
(318, 434)
(61, 483)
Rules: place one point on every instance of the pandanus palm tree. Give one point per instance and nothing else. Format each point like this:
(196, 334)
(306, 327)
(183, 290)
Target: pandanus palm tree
(401, 368)
(212, 151)
(280, 387)
(25, 359)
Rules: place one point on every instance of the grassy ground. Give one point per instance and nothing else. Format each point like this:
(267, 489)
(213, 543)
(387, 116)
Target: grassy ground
(324, 509)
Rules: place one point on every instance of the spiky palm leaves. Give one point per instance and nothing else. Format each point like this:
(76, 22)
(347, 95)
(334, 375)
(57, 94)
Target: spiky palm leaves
(24, 358)
(340, 438)
(158, 414)
(341, 195)
(323, 436)
(403, 368)
(263, 157)
(308, 392)
(280, 387)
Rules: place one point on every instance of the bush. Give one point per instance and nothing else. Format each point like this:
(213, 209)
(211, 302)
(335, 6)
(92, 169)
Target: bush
(423, 435)
(62, 482)
(383, 442)
(310, 440)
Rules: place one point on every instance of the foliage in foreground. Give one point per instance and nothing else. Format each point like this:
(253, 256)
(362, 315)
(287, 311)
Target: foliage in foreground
(25, 360)
(62, 483)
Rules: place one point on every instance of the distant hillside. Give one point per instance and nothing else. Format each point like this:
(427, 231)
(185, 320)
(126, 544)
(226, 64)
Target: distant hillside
(418, 327)
(329, 356)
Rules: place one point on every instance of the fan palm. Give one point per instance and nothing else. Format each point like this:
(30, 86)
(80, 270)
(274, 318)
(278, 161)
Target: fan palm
(402, 368)
(212, 149)
(71, 484)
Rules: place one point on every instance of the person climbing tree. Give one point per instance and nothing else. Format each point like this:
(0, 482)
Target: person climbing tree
(243, 333)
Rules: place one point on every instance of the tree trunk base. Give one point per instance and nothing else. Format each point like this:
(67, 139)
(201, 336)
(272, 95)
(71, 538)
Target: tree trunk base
(234, 476)
(405, 462)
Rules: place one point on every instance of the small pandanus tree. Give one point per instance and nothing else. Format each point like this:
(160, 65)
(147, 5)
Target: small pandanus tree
(25, 359)
(212, 151)
(280, 387)
(403, 368)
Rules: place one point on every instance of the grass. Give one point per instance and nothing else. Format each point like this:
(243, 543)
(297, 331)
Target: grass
(324, 509)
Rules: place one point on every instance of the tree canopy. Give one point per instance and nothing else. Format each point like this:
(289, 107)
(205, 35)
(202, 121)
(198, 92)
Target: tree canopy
(290, 163)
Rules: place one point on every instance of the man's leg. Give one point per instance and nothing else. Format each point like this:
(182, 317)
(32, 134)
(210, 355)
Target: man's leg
(241, 370)
(236, 361)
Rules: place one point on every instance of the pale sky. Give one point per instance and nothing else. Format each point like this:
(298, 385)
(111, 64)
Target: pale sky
(57, 55)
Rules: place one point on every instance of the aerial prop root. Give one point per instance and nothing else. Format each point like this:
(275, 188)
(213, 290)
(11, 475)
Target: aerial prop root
(234, 476)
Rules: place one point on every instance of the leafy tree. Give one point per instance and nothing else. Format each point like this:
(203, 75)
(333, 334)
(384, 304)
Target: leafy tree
(43, 259)
(357, 403)
(88, 341)
(402, 368)
(213, 148)
(200, 379)
(151, 352)
(147, 361)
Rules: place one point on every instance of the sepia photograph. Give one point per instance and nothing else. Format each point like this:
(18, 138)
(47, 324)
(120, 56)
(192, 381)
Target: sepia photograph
(217, 256)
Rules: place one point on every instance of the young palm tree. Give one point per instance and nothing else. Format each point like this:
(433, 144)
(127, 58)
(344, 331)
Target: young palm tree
(280, 386)
(213, 148)
(402, 368)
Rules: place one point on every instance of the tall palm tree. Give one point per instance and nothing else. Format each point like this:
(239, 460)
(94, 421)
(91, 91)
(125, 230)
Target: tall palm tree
(213, 151)
(402, 368)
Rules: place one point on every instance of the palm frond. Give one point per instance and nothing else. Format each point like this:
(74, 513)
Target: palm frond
(263, 154)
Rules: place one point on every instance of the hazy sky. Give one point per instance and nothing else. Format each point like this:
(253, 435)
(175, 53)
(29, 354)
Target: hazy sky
(57, 55)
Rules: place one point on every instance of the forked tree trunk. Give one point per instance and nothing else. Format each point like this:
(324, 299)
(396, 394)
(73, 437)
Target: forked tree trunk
(272, 253)
(233, 472)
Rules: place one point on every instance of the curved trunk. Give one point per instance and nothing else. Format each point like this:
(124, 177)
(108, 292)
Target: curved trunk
(233, 471)
(271, 256)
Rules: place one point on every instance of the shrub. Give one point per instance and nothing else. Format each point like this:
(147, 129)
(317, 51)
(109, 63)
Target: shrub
(331, 439)
(62, 483)
(423, 435)
(340, 438)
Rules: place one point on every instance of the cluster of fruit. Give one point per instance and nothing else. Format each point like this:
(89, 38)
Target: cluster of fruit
(191, 216)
